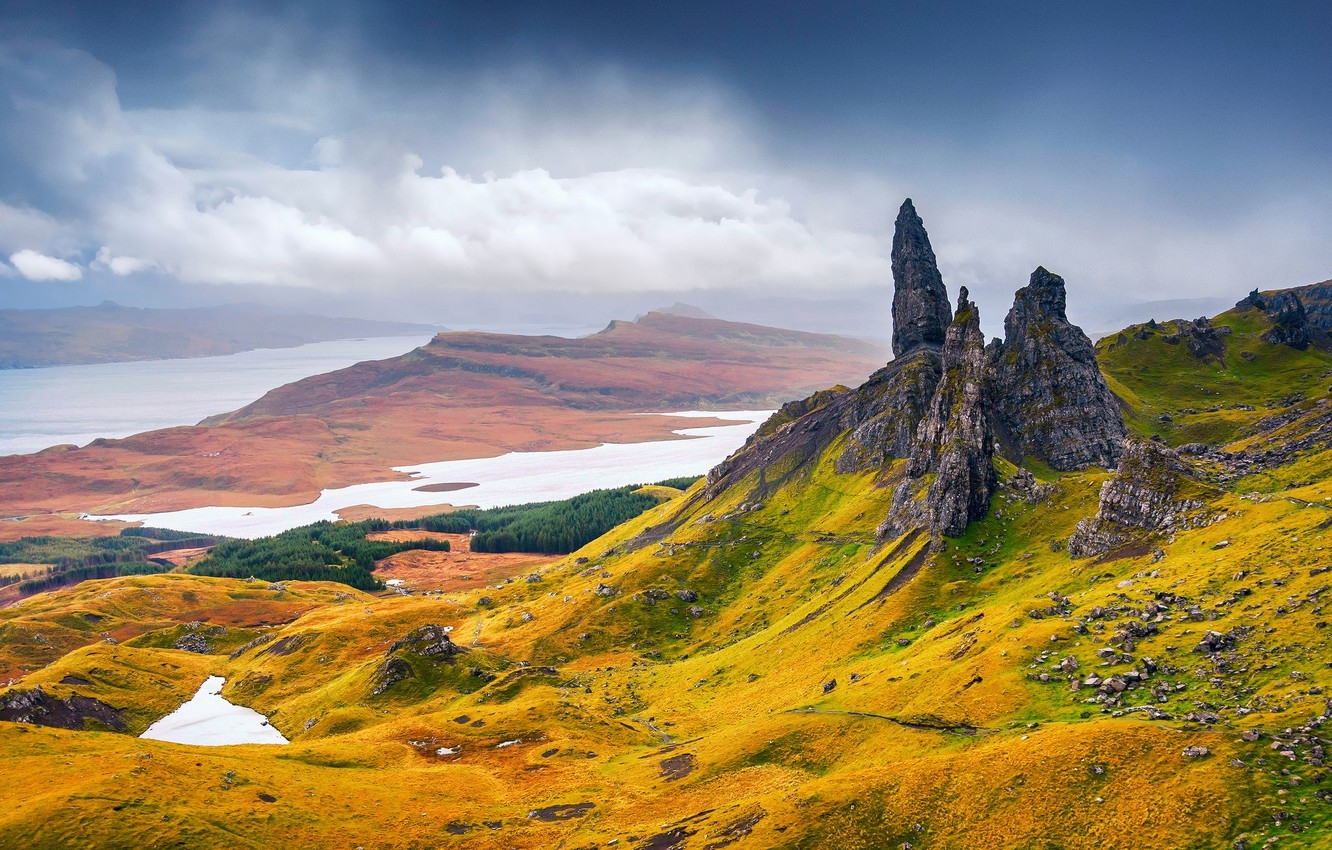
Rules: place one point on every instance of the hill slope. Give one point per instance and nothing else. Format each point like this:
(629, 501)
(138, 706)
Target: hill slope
(464, 395)
(1118, 649)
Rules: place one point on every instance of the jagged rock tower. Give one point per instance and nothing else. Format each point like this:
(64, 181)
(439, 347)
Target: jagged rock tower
(929, 422)
(920, 301)
(955, 440)
(1050, 400)
(894, 400)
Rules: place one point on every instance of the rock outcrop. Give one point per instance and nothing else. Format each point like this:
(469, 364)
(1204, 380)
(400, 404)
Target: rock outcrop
(1317, 301)
(1148, 495)
(884, 412)
(1203, 339)
(920, 301)
(429, 641)
(37, 707)
(944, 402)
(882, 416)
(888, 409)
(1290, 322)
(1050, 400)
(954, 440)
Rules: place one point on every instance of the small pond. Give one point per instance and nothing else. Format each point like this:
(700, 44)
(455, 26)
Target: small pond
(208, 720)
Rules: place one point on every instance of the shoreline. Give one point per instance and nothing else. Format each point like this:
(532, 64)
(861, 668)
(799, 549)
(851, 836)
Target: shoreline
(508, 478)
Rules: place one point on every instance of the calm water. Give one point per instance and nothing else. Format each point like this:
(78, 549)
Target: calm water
(207, 719)
(509, 479)
(77, 404)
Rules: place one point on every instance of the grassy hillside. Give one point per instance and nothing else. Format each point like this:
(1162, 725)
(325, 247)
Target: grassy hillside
(1214, 398)
(752, 670)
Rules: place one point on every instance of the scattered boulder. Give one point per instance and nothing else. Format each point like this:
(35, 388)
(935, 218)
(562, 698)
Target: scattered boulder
(653, 595)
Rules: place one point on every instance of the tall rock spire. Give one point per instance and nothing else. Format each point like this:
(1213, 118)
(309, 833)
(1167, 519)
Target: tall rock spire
(1052, 402)
(954, 441)
(920, 303)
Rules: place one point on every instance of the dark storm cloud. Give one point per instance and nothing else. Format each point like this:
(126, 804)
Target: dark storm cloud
(1143, 151)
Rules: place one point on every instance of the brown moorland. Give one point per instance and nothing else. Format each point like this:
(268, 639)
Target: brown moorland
(463, 395)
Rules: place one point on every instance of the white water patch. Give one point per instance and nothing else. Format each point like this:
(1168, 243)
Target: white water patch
(510, 479)
(208, 720)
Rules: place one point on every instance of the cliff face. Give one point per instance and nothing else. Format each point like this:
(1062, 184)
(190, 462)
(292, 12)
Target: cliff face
(1050, 400)
(1291, 324)
(887, 410)
(920, 301)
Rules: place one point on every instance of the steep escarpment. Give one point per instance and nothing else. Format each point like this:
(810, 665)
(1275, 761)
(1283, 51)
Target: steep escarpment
(1051, 402)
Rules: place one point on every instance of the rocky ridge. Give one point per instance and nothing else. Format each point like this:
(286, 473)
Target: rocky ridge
(936, 409)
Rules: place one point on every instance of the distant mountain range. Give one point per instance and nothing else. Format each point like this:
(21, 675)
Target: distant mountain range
(111, 333)
(463, 395)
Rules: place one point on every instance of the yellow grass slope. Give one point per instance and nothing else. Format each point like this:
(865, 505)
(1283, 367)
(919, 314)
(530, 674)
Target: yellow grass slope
(751, 670)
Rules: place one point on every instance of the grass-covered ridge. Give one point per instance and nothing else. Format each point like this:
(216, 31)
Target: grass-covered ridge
(1171, 392)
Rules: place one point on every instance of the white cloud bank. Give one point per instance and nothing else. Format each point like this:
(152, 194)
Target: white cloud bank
(214, 201)
(36, 266)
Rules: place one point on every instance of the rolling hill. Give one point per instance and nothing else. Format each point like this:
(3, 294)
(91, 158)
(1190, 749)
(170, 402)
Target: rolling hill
(463, 395)
(1028, 594)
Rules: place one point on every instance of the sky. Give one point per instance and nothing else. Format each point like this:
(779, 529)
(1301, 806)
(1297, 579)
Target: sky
(572, 162)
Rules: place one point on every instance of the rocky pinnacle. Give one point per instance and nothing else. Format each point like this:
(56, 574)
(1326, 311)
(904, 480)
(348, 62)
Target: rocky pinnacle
(954, 441)
(920, 303)
(1051, 401)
